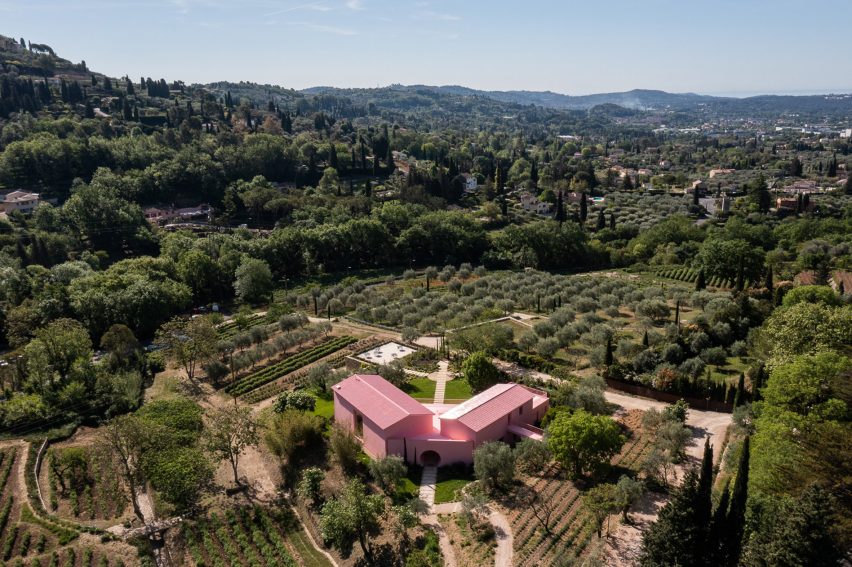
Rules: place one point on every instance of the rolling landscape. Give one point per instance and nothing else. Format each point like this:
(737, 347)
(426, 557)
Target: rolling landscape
(250, 324)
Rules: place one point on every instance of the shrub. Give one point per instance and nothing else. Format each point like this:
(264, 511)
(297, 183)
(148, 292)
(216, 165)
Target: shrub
(295, 400)
(714, 355)
(494, 465)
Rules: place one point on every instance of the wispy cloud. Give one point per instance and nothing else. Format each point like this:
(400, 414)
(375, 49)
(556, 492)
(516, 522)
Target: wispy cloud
(436, 16)
(355, 4)
(309, 7)
(325, 29)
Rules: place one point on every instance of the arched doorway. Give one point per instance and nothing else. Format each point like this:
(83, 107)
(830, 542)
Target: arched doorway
(430, 459)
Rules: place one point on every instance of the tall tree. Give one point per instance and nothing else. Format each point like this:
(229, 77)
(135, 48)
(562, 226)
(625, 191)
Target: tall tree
(675, 538)
(699, 281)
(703, 502)
(352, 516)
(735, 520)
(560, 209)
(190, 342)
(232, 429)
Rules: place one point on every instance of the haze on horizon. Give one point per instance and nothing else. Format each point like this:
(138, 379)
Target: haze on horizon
(723, 47)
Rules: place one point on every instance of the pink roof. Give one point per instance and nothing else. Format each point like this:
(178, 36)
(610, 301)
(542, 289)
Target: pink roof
(485, 408)
(378, 400)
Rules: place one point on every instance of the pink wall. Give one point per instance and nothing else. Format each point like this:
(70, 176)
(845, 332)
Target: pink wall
(372, 439)
(494, 432)
(411, 426)
(450, 451)
(454, 429)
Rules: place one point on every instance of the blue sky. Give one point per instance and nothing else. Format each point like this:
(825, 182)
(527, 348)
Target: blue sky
(569, 46)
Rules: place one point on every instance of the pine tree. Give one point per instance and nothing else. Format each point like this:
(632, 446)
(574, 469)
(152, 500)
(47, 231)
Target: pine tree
(699, 281)
(735, 520)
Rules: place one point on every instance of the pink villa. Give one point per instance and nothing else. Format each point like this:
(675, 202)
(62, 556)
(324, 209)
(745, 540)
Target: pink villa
(390, 422)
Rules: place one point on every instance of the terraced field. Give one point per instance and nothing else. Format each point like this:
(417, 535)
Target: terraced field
(571, 524)
(250, 537)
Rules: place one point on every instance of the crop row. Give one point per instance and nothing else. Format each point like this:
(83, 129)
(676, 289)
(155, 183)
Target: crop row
(680, 274)
(229, 329)
(288, 365)
(273, 389)
(250, 536)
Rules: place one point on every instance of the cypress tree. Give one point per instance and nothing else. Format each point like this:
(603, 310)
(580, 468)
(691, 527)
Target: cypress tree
(677, 313)
(740, 285)
(717, 527)
(735, 520)
(608, 360)
(704, 503)
(560, 210)
(699, 281)
(645, 342)
(601, 221)
(847, 188)
(612, 221)
(769, 283)
(584, 208)
(675, 537)
(739, 396)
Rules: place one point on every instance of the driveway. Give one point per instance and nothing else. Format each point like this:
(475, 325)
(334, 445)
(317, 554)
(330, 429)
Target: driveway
(703, 423)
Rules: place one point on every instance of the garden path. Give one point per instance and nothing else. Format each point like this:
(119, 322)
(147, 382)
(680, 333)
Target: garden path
(505, 541)
(427, 485)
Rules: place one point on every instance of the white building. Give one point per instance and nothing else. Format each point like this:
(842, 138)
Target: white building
(470, 183)
(530, 202)
(22, 201)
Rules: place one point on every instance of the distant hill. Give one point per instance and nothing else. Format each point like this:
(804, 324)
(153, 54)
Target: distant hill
(636, 99)
(765, 106)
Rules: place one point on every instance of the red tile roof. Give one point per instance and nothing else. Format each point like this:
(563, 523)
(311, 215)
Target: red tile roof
(485, 408)
(378, 400)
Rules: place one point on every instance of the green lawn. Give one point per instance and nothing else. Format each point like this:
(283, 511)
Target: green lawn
(421, 388)
(324, 408)
(409, 487)
(451, 479)
(424, 389)
(458, 389)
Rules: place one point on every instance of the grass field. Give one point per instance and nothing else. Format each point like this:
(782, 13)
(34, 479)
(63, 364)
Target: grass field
(450, 480)
(324, 407)
(421, 388)
(458, 389)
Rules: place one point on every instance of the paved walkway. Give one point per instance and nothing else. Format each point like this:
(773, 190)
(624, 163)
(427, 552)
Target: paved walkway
(427, 485)
(441, 377)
